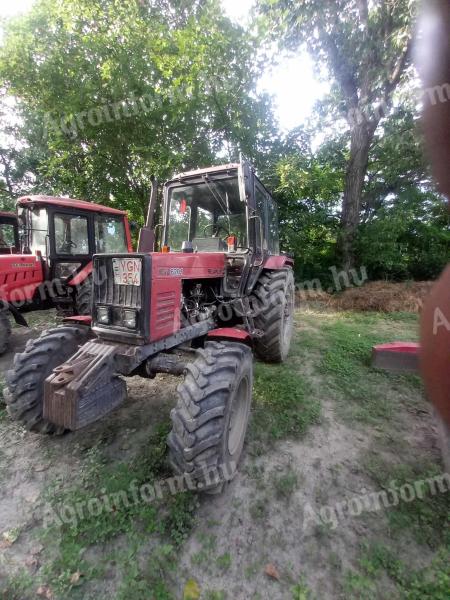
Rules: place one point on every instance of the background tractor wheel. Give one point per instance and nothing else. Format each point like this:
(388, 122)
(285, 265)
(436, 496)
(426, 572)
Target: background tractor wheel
(24, 394)
(5, 330)
(274, 302)
(83, 298)
(211, 416)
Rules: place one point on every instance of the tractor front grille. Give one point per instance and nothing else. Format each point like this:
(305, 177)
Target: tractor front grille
(109, 293)
(113, 301)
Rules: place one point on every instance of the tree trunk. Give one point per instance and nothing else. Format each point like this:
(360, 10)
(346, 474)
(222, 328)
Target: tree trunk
(361, 139)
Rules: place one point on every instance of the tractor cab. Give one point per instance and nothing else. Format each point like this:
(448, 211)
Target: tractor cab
(221, 209)
(224, 209)
(66, 233)
(9, 233)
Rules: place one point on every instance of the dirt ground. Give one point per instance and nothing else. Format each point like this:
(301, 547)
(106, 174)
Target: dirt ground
(273, 533)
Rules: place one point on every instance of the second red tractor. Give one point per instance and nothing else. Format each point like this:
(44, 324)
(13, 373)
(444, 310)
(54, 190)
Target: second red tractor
(46, 255)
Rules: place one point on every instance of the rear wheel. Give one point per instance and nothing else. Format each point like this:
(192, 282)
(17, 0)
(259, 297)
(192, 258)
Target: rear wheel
(273, 305)
(83, 299)
(5, 330)
(24, 394)
(211, 417)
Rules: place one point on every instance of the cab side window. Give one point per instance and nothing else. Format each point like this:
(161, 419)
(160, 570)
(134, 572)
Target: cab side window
(273, 228)
(261, 210)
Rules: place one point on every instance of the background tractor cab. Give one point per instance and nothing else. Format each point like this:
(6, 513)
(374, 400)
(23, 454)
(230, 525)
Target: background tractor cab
(66, 233)
(9, 233)
(50, 263)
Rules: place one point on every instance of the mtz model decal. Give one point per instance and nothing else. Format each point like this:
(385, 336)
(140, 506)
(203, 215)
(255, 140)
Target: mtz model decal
(172, 272)
(23, 265)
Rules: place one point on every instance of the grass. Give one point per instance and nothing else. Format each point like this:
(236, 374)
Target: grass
(141, 542)
(285, 484)
(283, 403)
(431, 582)
(300, 591)
(166, 521)
(344, 341)
(427, 519)
(224, 561)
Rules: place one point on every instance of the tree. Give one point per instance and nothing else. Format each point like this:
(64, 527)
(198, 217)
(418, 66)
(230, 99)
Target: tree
(112, 91)
(364, 47)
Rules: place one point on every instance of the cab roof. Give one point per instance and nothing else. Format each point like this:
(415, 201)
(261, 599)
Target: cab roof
(37, 200)
(198, 172)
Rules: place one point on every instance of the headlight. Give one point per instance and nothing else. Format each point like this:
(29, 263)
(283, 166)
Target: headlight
(130, 319)
(103, 315)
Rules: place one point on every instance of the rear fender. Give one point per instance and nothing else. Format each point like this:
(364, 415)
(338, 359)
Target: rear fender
(274, 263)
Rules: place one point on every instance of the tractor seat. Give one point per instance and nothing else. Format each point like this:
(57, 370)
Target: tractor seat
(209, 245)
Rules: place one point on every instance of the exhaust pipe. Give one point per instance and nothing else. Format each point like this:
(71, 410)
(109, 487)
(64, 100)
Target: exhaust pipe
(147, 233)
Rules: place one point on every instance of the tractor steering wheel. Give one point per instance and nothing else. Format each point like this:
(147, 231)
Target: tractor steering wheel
(65, 245)
(216, 228)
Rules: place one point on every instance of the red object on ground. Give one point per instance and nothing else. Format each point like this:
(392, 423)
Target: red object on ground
(396, 356)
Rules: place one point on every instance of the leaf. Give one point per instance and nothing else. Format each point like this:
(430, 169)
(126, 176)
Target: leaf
(271, 571)
(75, 578)
(10, 537)
(191, 590)
(44, 591)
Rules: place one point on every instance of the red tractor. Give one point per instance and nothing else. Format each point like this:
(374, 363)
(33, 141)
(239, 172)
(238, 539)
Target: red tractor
(50, 264)
(217, 289)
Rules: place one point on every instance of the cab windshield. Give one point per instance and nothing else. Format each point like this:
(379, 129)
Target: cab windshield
(207, 214)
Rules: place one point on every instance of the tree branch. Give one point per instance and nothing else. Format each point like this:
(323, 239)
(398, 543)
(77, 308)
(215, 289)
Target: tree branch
(363, 11)
(342, 70)
(398, 70)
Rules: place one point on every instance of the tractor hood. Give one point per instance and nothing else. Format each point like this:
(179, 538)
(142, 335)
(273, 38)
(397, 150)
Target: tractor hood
(20, 276)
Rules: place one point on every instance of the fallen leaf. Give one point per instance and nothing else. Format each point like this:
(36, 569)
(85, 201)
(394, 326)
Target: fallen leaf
(45, 592)
(272, 571)
(37, 549)
(191, 590)
(10, 536)
(75, 578)
(41, 467)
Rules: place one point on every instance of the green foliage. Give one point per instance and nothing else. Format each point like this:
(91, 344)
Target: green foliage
(112, 91)
(308, 190)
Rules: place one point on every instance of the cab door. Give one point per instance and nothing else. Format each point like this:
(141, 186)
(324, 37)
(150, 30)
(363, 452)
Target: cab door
(71, 242)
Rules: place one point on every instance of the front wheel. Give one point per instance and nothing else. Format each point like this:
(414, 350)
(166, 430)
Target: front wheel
(210, 420)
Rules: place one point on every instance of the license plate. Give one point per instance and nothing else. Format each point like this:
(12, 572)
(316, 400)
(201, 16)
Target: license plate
(127, 271)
